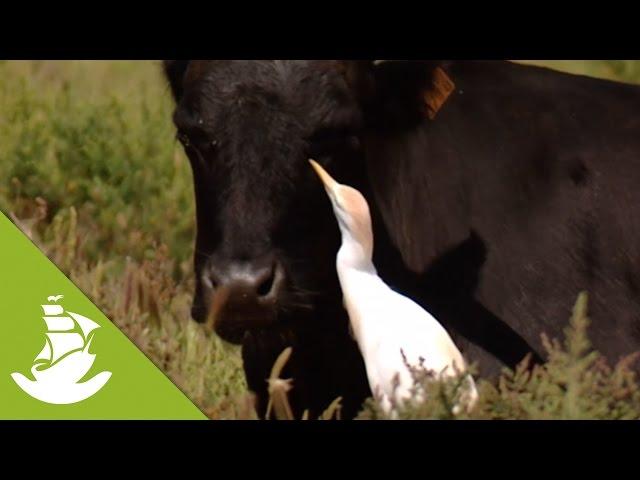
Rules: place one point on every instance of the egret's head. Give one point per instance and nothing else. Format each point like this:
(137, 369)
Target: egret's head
(350, 208)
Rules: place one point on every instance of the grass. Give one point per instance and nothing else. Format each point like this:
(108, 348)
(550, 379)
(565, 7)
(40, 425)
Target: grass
(90, 170)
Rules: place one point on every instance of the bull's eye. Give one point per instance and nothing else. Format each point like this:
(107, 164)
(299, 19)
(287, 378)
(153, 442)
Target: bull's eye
(198, 142)
(354, 142)
(183, 139)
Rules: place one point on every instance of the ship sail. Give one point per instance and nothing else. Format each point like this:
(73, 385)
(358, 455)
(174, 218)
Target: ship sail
(45, 354)
(63, 343)
(52, 309)
(59, 324)
(62, 334)
(86, 325)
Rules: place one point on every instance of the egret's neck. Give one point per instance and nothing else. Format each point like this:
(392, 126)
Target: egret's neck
(355, 269)
(355, 253)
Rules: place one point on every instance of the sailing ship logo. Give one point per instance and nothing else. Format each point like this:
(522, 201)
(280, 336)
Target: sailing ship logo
(64, 360)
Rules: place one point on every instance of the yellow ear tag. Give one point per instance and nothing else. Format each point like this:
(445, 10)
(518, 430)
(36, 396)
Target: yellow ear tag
(438, 94)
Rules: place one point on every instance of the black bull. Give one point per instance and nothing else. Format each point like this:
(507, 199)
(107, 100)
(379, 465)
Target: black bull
(493, 207)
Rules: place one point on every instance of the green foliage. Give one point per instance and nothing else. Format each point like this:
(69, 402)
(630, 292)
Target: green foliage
(620, 70)
(93, 175)
(113, 159)
(89, 169)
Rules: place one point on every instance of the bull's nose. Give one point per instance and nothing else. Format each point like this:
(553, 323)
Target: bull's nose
(250, 281)
(243, 296)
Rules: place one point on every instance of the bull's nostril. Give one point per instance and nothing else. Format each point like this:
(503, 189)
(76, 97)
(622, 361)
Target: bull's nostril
(266, 285)
(209, 281)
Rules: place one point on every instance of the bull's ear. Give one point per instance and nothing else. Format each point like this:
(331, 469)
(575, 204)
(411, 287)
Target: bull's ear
(398, 94)
(174, 70)
(359, 76)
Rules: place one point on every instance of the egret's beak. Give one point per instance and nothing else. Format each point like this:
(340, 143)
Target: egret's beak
(329, 183)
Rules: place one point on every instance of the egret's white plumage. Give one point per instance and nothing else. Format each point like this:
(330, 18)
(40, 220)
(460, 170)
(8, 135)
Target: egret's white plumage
(392, 330)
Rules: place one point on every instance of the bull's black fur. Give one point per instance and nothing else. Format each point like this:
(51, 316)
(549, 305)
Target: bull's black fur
(494, 215)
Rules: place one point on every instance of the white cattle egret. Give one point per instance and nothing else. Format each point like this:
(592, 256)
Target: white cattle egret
(393, 332)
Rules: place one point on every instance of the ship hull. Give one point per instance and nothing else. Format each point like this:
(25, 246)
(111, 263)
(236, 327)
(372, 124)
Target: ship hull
(55, 393)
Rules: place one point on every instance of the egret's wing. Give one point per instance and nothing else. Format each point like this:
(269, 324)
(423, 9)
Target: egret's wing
(391, 324)
(419, 335)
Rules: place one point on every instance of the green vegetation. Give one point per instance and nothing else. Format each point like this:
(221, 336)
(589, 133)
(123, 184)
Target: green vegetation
(619, 70)
(90, 170)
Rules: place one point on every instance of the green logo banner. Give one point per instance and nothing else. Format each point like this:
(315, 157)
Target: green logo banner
(61, 358)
